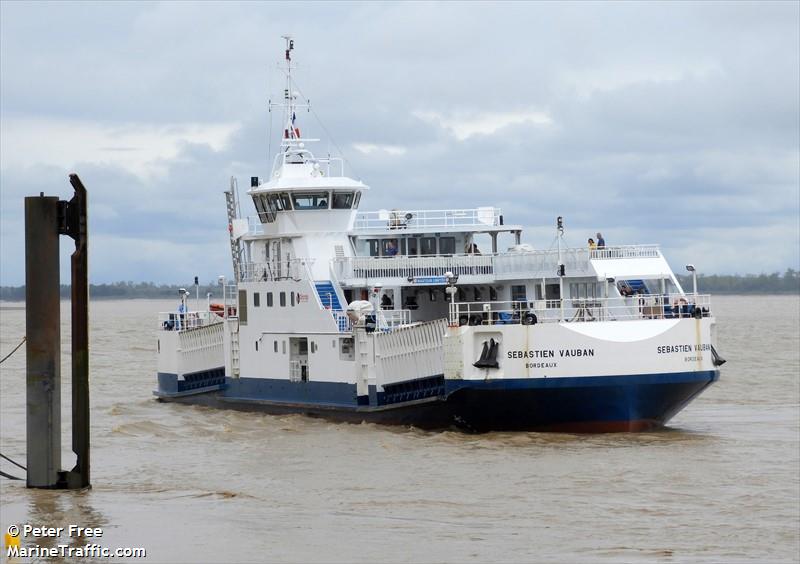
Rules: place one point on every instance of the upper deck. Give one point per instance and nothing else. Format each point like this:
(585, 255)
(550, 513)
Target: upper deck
(641, 261)
(473, 220)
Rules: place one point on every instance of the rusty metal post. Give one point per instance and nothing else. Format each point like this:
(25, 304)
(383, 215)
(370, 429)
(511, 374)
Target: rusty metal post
(43, 350)
(45, 219)
(74, 224)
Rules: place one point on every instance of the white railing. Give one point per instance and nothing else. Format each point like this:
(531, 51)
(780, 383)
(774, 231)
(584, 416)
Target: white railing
(626, 251)
(389, 319)
(295, 269)
(542, 263)
(254, 225)
(411, 267)
(178, 321)
(424, 219)
(669, 306)
(509, 265)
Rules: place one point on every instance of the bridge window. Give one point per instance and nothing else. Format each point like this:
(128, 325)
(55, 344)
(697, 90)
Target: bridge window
(342, 200)
(311, 201)
(279, 202)
(413, 246)
(266, 213)
(358, 200)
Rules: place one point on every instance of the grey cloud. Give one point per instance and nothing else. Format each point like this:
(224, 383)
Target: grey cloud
(670, 121)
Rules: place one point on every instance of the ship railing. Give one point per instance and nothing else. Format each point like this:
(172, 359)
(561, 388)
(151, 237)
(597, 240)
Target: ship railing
(343, 323)
(509, 265)
(626, 251)
(389, 319)
(271, 271)
(541, 263)
(254, 225)
(179, 321)
(428, 219)
(411, 267)
(580, 310)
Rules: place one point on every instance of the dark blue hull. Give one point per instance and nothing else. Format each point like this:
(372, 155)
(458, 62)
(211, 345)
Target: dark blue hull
(585, 404)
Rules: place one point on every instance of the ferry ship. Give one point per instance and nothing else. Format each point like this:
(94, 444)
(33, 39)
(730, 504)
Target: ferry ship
(430, 318)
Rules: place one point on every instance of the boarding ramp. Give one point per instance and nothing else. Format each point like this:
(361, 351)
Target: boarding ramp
(409, 353)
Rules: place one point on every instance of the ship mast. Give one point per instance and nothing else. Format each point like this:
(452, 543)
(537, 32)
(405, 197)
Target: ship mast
(291, 131)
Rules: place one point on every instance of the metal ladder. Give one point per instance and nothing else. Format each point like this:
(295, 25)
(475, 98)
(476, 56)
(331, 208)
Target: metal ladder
(233, 213)
(363, 357)
(234, 326)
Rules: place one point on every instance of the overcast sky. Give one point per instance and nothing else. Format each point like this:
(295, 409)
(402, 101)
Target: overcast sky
(674, 123)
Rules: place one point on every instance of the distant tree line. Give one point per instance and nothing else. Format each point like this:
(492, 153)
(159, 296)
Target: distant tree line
(124, 290)
(775, 283)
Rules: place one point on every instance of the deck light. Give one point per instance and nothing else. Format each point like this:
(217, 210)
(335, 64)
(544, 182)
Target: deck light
(693, 270)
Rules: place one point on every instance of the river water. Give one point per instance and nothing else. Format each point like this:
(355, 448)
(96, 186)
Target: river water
(191, 484)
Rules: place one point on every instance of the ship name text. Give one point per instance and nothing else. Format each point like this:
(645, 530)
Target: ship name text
(550, 353)
(667, 349)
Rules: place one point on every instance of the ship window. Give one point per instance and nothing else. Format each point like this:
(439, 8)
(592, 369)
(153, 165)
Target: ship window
(342, 200)
(284, 346)
(311, 201)
(428, 246)
(447, 245)
(286, 201)
(413, 246)
(243, 307)
(265, 213)
(291, 298)
(276, 202)
(552, 292)
(374, 247)
(269, 299)
(256, 346)
(358, 200)
(518, 294)
(259, 205)
(283, 299)
(256, 299)
(389, 247)
(313, 347)
(275, 346)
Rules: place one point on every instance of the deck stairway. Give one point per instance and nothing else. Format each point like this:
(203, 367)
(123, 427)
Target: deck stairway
(330, 300)
(638, 286)
(327, 295)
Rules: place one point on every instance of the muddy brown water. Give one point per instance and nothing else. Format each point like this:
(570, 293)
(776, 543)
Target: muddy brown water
(190, 484)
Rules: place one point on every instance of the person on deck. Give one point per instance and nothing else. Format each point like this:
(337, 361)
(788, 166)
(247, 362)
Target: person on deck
(391, 249)
(601, 243)
(592, 245)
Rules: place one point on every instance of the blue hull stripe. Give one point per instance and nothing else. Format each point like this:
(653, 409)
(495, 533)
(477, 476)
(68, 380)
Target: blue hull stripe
(583, 381)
